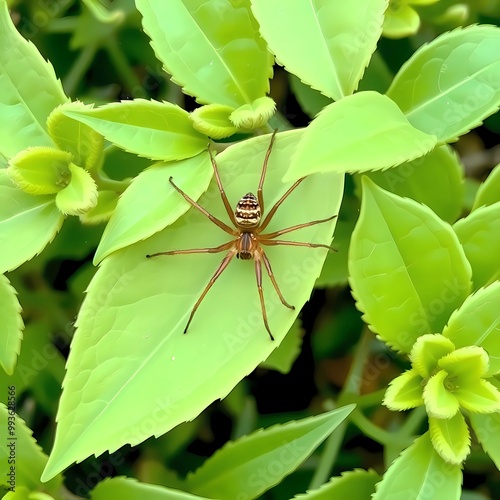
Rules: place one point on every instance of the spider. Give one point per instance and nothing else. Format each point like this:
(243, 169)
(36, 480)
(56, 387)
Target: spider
(247, 234)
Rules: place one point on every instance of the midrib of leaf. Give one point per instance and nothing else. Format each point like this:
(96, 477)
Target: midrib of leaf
(331, 64)
(442, 95)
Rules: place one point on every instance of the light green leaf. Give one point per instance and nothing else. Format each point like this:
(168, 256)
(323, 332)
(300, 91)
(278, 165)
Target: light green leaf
(41, 170)
(477, 322)
(439, 401)
(126, 488)
(29, 90)
(427, 351)
(425, 465)
(326, 44)
(489, 191)
(481, 397)
(311, 101)
(357, 484)
(366, 131)
(12, 325)
(253, 115)
(451, 85)
(404, 392)
(236, 468)
(17, 443)
(465, 365)
(450, 438)
(487, 430)
(80, 195)
(102, 212)
(479, 234)
(150, 203)
(157, 130)
(213, 50)
(27, 224)
(282, 358)
(435, 179)
(400, 21)
(408, 270)
(80, 140)
(102, 14)
(213, 120)
(130, 326)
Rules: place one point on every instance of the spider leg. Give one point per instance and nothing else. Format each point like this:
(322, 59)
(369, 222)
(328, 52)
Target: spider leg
(225, 262)
(220, 248)
(215, 220)
(269, 216)
(296, 244)
(267, 263)
(258, 275)
(260, 197)
(227, 205)
(295, 228)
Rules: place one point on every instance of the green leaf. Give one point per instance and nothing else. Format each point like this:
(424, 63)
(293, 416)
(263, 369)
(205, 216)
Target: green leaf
(213, 50)
(479, 234)
(487, 431)
(450, 438)
(17, 444)
(126, 488)
(282, 358)
(460, 70)
(80, 195)
(213, 120)
(29, 90)
(366, 131)
(102, 14)
(482, 397)
(102, 212)
(440, 402)
(12, 322)
(326, 44)
(310, 100)
(408, 270)
(489, 191)
(435, 179)
(465, 365)
(253, 115)
(41, 170)
(151, 203)
(130, 326)
(400, 21)
(357, 484)
(80, 140)
(157, 130)
(477, 322)
(404, 392)
(427, 351)
(238, 467)
(425, 465)
(27, 224)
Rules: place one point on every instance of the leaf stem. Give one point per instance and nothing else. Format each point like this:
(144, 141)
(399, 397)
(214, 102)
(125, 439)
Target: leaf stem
(122, 67)
(80, 66)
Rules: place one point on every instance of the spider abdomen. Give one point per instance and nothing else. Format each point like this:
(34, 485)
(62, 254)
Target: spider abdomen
(247, 211)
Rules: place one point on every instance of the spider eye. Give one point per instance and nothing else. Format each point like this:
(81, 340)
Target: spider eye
(247, 211)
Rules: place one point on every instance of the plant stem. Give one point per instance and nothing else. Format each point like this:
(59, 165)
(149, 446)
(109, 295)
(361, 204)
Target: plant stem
(122, 66)
(79, 68)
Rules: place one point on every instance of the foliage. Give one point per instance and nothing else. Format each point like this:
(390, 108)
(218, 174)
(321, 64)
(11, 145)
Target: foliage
(83, 176)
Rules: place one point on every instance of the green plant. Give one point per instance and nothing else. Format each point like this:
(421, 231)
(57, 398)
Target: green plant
(426, 282)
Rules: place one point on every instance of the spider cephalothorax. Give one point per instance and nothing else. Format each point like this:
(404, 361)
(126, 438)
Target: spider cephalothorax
(247, 235)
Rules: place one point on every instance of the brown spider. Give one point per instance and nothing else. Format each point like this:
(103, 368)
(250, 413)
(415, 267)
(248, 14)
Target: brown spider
(248, 238)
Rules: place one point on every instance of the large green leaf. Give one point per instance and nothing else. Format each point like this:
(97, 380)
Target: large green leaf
(150, 203)
(213, 50)
(29, 90)
(17, 445)
(129, 354)
(479, 234)
(365, 131)
(12, 322)
(487, 430)
(125, 488)
(435, 179)
(425, 465)
(326, 44)
(489, 191)
(477, 323)
(408, 270)
(356, 485)
(236, 469)
(157, 130)
(27, 224)
(451, 85)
